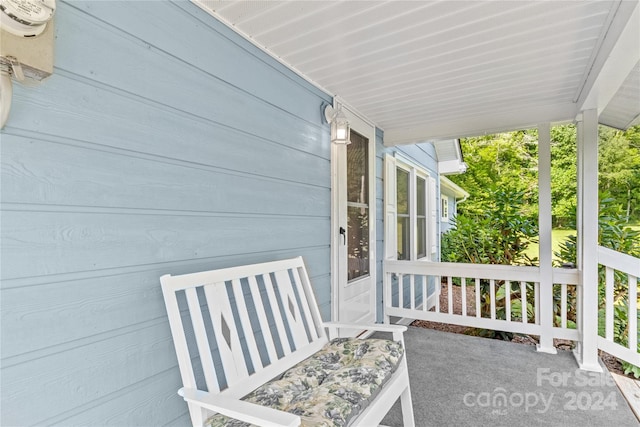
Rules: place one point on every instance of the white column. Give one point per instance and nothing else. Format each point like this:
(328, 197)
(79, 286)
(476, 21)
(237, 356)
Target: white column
(544, 230)
(586, 352)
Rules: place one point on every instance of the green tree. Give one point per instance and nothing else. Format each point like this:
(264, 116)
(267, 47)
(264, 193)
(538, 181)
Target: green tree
(619, 168)
(500, 162)
(563, 174)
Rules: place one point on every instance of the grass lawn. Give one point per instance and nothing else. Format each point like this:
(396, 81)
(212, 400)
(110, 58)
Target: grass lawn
(558, 236)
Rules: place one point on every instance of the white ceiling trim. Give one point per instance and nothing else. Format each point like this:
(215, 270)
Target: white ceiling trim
(483, 124)
(620, 62)
(620, 113)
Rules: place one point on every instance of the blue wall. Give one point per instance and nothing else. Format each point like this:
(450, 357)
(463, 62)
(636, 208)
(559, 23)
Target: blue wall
(163, 143)
(451, 202)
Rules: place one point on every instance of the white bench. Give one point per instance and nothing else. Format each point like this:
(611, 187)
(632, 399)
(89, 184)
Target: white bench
(241, 333)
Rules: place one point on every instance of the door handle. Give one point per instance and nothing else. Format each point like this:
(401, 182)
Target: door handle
(344, 235)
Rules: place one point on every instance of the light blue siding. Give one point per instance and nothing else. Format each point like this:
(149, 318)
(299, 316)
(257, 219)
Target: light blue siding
(163, 143)
(448, 225)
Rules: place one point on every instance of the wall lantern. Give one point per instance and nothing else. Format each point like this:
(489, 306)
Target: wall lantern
(340, 129)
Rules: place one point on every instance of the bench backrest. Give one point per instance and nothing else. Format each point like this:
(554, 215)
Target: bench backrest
(236, 328)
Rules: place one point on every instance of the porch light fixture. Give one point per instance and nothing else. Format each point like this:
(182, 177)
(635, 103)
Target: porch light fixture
(340, 129)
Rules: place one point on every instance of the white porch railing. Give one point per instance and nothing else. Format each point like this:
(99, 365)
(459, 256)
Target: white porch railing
(499, 293)
(412, 290)
(621, 274)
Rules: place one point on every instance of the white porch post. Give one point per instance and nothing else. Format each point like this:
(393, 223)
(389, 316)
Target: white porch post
(544, 232)
(586, 352)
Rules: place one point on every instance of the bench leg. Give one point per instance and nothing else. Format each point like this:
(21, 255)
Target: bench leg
(407, 408)
(197, 415)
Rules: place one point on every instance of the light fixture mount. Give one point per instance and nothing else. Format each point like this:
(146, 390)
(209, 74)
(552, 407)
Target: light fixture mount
(340, 129)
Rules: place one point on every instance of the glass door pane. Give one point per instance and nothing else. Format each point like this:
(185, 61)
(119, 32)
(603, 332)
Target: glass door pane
(357, 207)
(421, 217)
(403, 232)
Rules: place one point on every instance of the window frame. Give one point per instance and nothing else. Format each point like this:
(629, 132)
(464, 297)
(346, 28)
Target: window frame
(415, 172)
(444, 208)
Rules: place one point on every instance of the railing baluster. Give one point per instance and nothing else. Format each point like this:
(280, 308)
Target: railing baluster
(507, 299)
(563, 305)
(536, 301)
(492, 295)
(478, 310)
(608, 298)
(463, 287)
(400, 291)
(523, 296)
(578, 305)
(425, 296)
(450, 295)
(633, 312)
(438, 290)
(412, 285)
(572, 295)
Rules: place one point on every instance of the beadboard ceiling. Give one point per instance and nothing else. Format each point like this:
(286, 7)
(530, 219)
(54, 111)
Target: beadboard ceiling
(428, 70)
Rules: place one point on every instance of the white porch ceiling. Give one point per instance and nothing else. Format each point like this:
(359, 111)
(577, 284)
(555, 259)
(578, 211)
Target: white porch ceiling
(618, 113)
(428, 70)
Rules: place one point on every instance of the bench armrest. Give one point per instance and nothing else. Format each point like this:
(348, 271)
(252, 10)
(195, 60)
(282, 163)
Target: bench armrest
(397, 330)
(240, 410)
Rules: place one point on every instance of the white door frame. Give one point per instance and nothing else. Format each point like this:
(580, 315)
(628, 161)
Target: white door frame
(367, 129)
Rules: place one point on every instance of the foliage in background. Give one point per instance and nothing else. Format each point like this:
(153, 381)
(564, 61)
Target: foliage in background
(619, 169)
(509, 160)
(501, 213)
(503, 162)
(499, 234)
(613, 233)
(563, 174)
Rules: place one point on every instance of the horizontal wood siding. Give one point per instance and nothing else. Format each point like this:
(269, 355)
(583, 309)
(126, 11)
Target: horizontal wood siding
(163, 143)
(451, 202)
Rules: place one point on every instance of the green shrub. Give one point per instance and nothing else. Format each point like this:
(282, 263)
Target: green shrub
(500, 234)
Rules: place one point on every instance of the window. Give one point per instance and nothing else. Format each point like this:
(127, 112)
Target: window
(412, 231)
(404, 217)
(444, 208)
(421, 216)
(410, 211)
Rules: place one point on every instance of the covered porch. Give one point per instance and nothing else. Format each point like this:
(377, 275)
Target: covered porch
(443, 70)
(194, 138)
(448, 70)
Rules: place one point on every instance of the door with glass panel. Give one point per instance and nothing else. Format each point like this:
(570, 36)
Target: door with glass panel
(356, 229)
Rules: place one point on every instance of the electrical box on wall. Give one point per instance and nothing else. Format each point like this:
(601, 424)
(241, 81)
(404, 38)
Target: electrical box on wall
(34, 54)
(26, 45)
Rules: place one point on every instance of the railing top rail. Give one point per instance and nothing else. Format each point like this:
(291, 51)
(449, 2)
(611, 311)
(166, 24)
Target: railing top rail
(483, 271)
(488, 271)
(619, 261)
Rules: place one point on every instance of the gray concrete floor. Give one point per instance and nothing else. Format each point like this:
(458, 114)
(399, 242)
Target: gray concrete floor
(459, 380)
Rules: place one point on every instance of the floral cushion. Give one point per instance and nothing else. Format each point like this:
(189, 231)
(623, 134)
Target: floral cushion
(330, 388)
